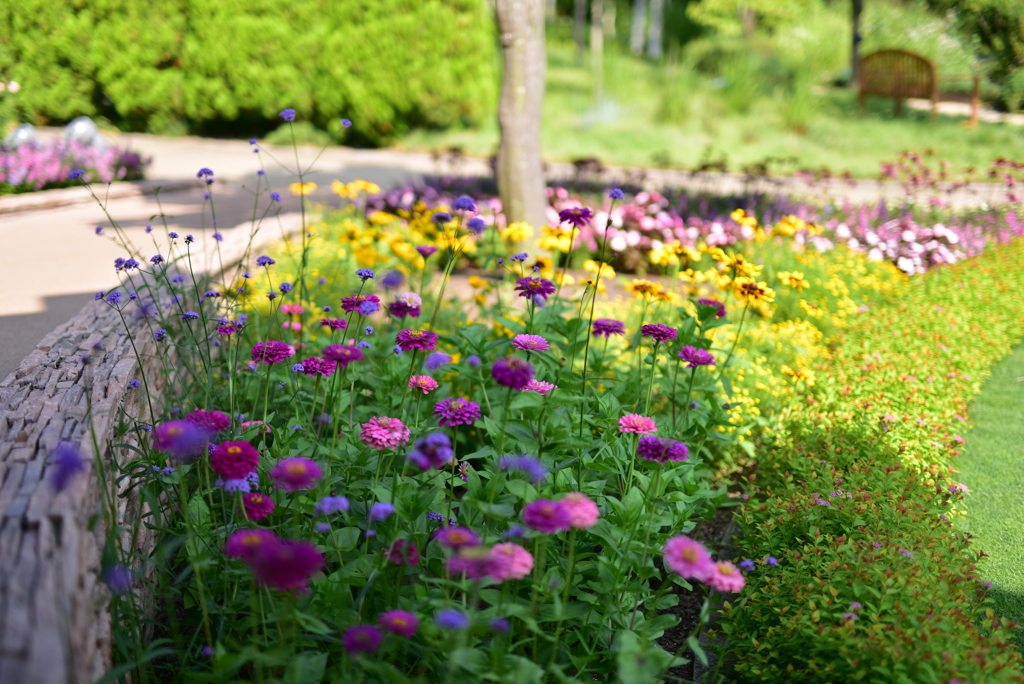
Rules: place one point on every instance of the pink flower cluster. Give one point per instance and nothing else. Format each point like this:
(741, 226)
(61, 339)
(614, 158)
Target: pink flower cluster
(382, 433)
(689, 559)
(28, 168)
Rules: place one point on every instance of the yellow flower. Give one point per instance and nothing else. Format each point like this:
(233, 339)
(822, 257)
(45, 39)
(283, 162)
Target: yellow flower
(640, 288)
(555, 239)
(739, 265)
(382, 218)
(807, 376)
(740, 217)
(810, 309)
(479, 283)
(794, 279)
(668, 253)
(753, 292)
(591, 266)
(520, 231)
(302, 188)
(547, 266)
(567, 280)
(351, 190)
(663, 295)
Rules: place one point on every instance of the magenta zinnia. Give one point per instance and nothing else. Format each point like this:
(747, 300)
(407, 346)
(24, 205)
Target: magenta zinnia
(577, 216)
(457, 537)
(342, 354)
(718, 306)
(361, 639)
(546, 516)
(458, 411)
(247, 544)
(382, 433)
(272, 352)
(696, 357)
(318, 366)
(535, 287)
(417, 340)
(214, 421)
(530, 343)
(660, 450)
(658, 332)
(350, 304)
(512, 372)
(295, 473)
(257, 506)
(399, 622)
(606, 327)
(234, 460)
(287, 565)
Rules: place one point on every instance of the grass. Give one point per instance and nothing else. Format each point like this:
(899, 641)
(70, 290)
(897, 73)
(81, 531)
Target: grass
(668, 116)
(991, 467)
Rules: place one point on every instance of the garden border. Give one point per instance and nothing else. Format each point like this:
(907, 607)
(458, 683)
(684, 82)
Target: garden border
(54, 619)
(61, 197)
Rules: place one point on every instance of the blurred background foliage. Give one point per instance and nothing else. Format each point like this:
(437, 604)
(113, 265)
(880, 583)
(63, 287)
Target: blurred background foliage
(226, 67)
(741, 81)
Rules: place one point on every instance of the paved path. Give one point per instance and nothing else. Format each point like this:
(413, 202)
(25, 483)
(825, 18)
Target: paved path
(52, 262)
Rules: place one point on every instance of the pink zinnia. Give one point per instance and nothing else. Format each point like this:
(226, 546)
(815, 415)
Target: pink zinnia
(318, 365)
(250, 423)
(382, 433)
(510, 561)
(272, 352)
(361, 639)
(546, 516)
(291, 309)
(539, 386)
(247, 544)
(257, 506)
(688, 558)
(417, 340)
(423, 382)
(234, 460)
(530, 343)
(399, 622)
(726, 577)
(296, 473)
(634, 422)
(288, 565)
(214, 421)
(342, 354)
(583, 512)
(454, 412)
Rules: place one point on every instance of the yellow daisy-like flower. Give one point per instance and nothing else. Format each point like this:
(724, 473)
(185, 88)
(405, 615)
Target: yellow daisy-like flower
(753, 292)
(798, 375)
(741, 217)
(302, 188)
(794, 279)
(566, 280)
(520, 231)
(663, 295)
(789, 225)
(554, 239)
(810, 309)
(740, 267)
(641, 288)
(479, 283)
(547, 266)
(382, 218)
(591, 266)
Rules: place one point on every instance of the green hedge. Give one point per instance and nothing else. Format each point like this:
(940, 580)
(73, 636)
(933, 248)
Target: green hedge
(856, 500)
(388, 65)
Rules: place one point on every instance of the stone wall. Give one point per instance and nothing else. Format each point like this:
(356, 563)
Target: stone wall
(54, 610)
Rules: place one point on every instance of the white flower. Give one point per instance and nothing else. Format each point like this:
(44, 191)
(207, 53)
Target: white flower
(13, 86)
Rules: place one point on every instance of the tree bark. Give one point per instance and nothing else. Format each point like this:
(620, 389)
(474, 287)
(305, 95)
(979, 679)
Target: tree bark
(858, 7)
(520, 167)
(638, 29)
(654, 34)
(579, 30)
(597, 48)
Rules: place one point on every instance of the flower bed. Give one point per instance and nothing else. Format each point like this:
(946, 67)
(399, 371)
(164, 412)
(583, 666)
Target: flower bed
(871, 578)
(29, 169)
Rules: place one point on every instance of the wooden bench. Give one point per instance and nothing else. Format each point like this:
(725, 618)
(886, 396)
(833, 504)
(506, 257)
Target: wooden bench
(901, 74)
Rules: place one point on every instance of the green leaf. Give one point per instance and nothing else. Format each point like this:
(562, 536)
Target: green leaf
(306, 667)
(312, 624)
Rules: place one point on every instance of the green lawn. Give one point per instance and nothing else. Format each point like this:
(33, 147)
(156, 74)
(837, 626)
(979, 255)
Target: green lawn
(665, 115)
(993, 467)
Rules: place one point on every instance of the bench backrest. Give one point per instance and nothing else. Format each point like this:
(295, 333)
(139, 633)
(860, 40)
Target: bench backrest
(898, 73)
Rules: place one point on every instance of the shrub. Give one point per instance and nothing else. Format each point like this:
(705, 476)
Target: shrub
(226, 64)
(873, 580)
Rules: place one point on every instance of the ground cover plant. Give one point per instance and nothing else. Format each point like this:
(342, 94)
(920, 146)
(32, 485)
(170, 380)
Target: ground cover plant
(856, 495)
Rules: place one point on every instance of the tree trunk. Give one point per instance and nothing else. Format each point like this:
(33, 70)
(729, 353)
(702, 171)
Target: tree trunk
(609, 19)
(654, 35)
(579, 30)
(597, 48)
(520, 168)
(748, 20)
(550, 9)
(638, 31)
(858, 7)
